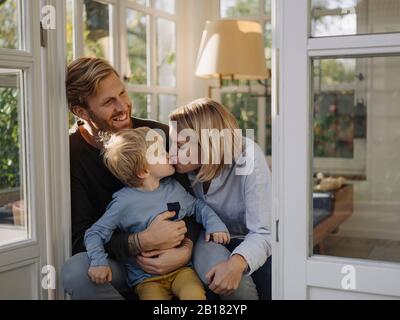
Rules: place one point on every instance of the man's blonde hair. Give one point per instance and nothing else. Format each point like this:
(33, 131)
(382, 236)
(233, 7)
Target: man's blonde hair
(83, 78)
(205, 113)
(124, 154)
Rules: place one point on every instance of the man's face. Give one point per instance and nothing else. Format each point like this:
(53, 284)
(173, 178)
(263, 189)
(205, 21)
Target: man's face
(110, 107)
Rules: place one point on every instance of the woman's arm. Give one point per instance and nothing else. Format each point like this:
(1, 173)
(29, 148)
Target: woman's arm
(257, 192)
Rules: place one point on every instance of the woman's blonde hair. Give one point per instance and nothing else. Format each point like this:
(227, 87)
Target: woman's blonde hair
(205, 113)
(124, 154)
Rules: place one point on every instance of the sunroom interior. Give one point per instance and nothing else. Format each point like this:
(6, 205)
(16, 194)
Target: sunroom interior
(351, 184)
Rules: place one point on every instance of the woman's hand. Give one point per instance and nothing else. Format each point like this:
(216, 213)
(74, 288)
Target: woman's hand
(159, 262)
(162, 233)
(224, 278)
(100, 275)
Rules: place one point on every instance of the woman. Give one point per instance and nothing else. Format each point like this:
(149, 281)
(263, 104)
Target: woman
(239, 191)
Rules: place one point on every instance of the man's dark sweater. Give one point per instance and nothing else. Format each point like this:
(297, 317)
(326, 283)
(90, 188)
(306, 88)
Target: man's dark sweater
(92, 187)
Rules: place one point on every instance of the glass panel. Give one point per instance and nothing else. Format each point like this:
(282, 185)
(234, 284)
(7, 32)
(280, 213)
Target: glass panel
(142, 2)
(13, 218)
(239, 8)
(136, 24)
(335, 85)
(70, 32)
(268, 7)
(9, 33)
(166, 104)
(245, 110)
(166, 54)
(268, 43)
(141, 105)
(356, 164)
(346, 17)
(96, 20)
(165, 5)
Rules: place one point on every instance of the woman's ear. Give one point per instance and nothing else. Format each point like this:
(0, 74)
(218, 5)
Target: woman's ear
(81, 112)
(144, 174)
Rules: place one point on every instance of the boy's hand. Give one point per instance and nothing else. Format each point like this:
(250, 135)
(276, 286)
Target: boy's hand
(100, 275)
(219, 237)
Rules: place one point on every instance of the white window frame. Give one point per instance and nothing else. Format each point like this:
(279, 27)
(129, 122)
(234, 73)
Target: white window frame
(152, 88)
(31, 252)
(119, 46)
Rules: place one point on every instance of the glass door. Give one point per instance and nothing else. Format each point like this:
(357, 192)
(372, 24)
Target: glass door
(340, 120)
(22, 204)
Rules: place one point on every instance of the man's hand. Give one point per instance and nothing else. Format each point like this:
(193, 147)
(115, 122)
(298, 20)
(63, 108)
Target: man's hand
(224, 278)
(219, 237)
(100, 275)
(162, 233)
(160, 262)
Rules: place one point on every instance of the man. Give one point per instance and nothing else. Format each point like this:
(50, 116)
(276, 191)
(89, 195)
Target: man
(98, 98)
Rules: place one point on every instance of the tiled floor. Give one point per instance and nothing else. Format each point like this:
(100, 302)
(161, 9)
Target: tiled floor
(373, 249)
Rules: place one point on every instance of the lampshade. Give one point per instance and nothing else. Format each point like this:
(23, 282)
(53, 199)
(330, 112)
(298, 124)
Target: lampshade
(232, 47)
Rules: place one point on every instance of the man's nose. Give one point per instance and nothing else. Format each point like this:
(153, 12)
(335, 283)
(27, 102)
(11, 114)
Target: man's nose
(120, 105)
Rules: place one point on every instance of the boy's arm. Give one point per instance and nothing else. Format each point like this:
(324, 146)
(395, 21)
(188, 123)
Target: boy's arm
(100, 233)
(208, 217)
(203, 213)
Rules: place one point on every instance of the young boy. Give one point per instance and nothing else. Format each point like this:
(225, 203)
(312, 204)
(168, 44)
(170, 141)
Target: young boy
(134, 207)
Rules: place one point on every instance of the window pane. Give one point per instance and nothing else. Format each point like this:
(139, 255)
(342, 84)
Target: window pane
(13, 219)
(346, 17)
(166, 54)
(166, 104)
(142, 2)
(136, 24)
(268, 7)
(239, 8)
(96, 19)
(9, 34)
(141, 105)
(70, 31)
(335, 84)
(165, 5)
(245, 110)
(356, 165)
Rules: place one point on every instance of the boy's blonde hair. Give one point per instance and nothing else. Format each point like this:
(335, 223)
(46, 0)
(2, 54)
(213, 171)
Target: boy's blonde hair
(205, 113)
(124, 154)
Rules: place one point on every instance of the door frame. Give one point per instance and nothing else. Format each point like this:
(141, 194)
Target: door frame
(292, 158)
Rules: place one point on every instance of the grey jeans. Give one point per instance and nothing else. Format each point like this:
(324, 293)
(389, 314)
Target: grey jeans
(78, 285)
(208, 254)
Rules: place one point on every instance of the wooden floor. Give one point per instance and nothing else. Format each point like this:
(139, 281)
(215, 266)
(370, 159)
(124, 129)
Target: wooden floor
(372, 249)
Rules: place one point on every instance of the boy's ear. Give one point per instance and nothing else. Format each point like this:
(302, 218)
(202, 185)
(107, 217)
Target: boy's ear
(144, 174)
(81, 112)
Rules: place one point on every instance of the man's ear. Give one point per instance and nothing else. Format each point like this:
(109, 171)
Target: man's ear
(144, 174)
(81, 112)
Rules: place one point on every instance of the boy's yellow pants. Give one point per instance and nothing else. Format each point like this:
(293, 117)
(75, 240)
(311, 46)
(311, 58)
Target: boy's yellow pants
(182, 283)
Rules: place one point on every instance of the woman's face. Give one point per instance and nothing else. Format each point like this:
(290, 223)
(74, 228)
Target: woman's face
(180, 146)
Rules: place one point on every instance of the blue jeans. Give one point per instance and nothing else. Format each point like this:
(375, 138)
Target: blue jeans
(78, 285)
(254, 287)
